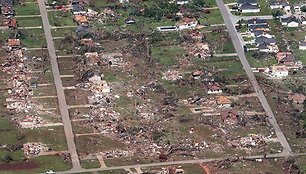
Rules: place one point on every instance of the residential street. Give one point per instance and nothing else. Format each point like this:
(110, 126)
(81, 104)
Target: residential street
(240, 51)
(59, 89)
(278, 155)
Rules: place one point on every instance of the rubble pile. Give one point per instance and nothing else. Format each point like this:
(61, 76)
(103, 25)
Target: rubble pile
(33, 149)
(172, 75)
(253, 140)
(30, 121)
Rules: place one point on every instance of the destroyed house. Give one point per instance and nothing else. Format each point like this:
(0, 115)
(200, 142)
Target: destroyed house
(81, 20)
(8, 11)
(187, 23)
(223, 101)
(213, 88)
(196, 34)
(229, 117)
(6, 3)
(14, 44)
(91, 58)
(10, 23)
(285, 58)
(297, 98)
(81, 2)
(87, 42)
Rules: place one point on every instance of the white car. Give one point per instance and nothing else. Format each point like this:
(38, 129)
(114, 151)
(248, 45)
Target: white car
(50, 172)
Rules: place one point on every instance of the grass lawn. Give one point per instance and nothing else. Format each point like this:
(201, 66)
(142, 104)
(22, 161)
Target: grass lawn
(214, 17)
(89, 164)
(168, 55)
(259, 63)
(220, 42)
(96, 143)
(230, 68)
(300, 55)
(62, 32)
(42, 164)
(27, 9)
(29, 22)
(60, 18)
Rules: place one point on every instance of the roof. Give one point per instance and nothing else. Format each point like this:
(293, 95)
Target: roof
(256, 21)
(14, 42)
(259, 26)
(213, 86)
(77, 8)
(277, 68)
(289, 20)
(285, 57)
(303, 43)
(223, 100)
(80, 18)
(88, 41)
(247, 1)
(247, 6)
(263, 46)
(263, 39)
(225, 115)
(278, 2)
(5, 3)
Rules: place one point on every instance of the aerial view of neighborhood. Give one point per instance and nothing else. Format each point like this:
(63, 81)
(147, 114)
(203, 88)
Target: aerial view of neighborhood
(153, 86)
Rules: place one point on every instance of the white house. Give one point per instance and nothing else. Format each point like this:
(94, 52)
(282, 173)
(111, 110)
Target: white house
(167, 28)
(268, 48)
(290, 22)
(279, 71)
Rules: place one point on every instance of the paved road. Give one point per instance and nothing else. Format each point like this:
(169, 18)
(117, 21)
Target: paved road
(59, 89)
(239, 49)
(278, 155)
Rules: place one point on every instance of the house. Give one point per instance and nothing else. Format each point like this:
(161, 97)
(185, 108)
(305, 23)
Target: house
(129, 21)
(303, 20)
(261, 27)
(249, 8)
(14, 44)
(265, 39)
(256, 21)
(297, 98)
(223, 101)
(213, 88)
(187, 23)
(290, 22)
(241, 2)
(268, 48)
(197, 74)
(81, 20)
(78, 9)
(229, 117)
(279, 71)
(279, 4)
(285, 58)
(81, 2)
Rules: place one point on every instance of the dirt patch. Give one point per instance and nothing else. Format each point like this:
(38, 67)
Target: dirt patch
(19, 166)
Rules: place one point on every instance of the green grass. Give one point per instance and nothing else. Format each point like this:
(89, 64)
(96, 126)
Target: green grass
(27, 9)
(259, 63)
(168, 55)
(220, 42)
(96, 143)
(29, 22)
(214, 17)
(59, 18)
(300, 55)
(62, 32)
(89, 164)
